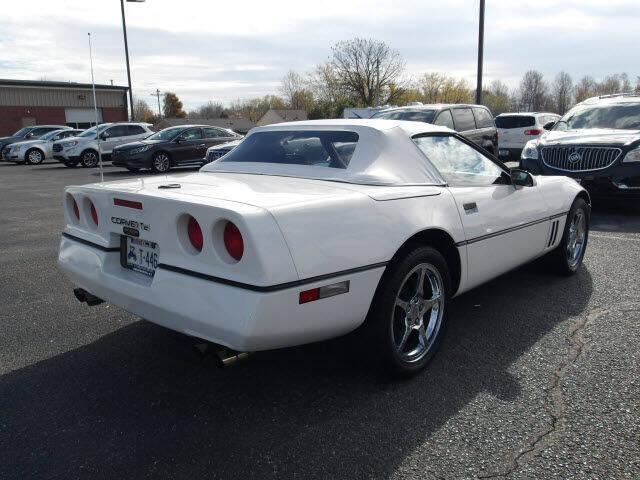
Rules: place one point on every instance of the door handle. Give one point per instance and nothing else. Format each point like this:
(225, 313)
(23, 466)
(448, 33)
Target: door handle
(468, 207)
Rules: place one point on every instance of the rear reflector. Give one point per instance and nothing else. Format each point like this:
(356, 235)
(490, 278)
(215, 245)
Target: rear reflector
(534, 131)
(324, 292)
(120, 202)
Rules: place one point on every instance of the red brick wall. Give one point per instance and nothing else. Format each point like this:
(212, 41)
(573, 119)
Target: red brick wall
(114, 114)
(11, 117)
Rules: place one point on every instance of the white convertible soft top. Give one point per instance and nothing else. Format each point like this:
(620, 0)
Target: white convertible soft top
(384, 154)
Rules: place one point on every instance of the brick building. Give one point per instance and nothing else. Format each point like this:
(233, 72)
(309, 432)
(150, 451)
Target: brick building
(28, 102)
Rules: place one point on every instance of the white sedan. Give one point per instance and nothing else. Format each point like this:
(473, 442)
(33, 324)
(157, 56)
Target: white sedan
(309, 230)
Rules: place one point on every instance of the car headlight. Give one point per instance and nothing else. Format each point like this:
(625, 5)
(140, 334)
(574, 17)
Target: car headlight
(632, 156)
(70, 144)
(530, 150)
(137, 150)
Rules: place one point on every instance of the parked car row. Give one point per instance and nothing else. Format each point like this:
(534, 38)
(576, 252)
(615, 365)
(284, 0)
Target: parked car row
(132, 145)
(597, 142)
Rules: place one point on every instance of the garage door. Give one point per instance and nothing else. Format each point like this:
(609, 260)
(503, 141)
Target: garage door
(82, 117)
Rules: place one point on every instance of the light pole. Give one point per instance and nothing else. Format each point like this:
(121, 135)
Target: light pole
(480, 54)
(126, 52)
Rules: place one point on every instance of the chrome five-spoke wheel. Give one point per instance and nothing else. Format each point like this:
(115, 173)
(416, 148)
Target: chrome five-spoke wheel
(577, 234)
(417, 314)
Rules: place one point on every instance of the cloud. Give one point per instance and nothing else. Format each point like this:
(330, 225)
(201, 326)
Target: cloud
(227, 50)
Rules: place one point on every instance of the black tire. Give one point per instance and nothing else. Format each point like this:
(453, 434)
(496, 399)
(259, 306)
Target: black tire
(133, 169)
(70, 164)
(387, 321)
(563, 259)
(161, 162)
(89, 159)
(34, 156)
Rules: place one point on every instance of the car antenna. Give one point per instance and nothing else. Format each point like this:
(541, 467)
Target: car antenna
(95, 109)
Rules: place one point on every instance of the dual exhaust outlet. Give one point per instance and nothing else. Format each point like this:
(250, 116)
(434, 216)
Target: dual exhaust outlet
(222, 356)
(85, 297)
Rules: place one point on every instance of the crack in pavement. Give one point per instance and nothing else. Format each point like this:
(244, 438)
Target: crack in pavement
(554, 401)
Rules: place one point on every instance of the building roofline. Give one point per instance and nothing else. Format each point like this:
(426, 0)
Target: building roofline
(54, 84)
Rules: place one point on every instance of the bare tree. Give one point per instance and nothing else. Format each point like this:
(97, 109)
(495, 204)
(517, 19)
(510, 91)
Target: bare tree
(609, 85)
(562, 92)
(142, 111)
(637, 89)
(367, 68)
(533, 91)
(497, 98)
(210, 109)
(440, 88)
(585, 88)
(292, 83)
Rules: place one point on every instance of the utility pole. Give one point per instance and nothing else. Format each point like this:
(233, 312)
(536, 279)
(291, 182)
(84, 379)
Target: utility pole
(157, 94)
(480, 54)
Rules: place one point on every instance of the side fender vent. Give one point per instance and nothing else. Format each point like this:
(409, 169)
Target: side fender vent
(554, 233)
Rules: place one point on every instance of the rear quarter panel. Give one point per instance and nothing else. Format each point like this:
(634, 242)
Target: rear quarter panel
(357, 231)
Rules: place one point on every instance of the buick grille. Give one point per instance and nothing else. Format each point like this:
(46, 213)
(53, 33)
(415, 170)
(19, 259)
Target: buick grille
(579, 159)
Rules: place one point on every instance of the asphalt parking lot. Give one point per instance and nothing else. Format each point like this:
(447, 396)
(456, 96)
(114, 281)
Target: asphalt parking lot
(538, 377)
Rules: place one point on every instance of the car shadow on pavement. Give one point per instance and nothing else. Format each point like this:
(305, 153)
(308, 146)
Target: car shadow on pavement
(136, 403)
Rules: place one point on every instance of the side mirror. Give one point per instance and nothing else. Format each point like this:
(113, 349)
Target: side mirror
(521, 178)
(548, 125)
(104, 135)
(180, 139)
(29, 135)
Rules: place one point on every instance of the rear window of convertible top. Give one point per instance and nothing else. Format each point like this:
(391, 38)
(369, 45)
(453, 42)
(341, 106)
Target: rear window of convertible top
(332, 149)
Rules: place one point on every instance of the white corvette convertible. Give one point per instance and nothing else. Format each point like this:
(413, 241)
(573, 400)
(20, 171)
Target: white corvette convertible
(308, 230)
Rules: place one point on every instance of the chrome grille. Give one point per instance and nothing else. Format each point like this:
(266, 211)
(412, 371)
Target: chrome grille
(571, 158)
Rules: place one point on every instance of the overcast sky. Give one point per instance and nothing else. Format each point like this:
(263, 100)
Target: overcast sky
(212, 49)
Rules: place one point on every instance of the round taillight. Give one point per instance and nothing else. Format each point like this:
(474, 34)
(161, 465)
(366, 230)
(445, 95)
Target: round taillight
(195, 233)
(233, 241)
(94, 213)
(76, 210)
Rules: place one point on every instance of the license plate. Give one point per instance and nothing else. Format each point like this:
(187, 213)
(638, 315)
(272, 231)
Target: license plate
(503, 153)
(140, 255)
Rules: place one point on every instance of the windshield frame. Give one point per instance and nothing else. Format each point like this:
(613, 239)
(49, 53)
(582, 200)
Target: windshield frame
(179, 129)
(94, 131)
(22, 132)
(433, 111)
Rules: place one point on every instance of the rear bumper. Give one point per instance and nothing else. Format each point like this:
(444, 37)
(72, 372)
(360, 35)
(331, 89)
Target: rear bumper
(236, 317)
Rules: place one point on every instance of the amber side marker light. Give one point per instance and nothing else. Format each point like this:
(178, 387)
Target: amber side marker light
(324, 292)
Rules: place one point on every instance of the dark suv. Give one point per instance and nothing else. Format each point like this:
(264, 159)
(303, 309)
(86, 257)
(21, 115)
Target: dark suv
(597, 142)
(474, 122)
(186, 144)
